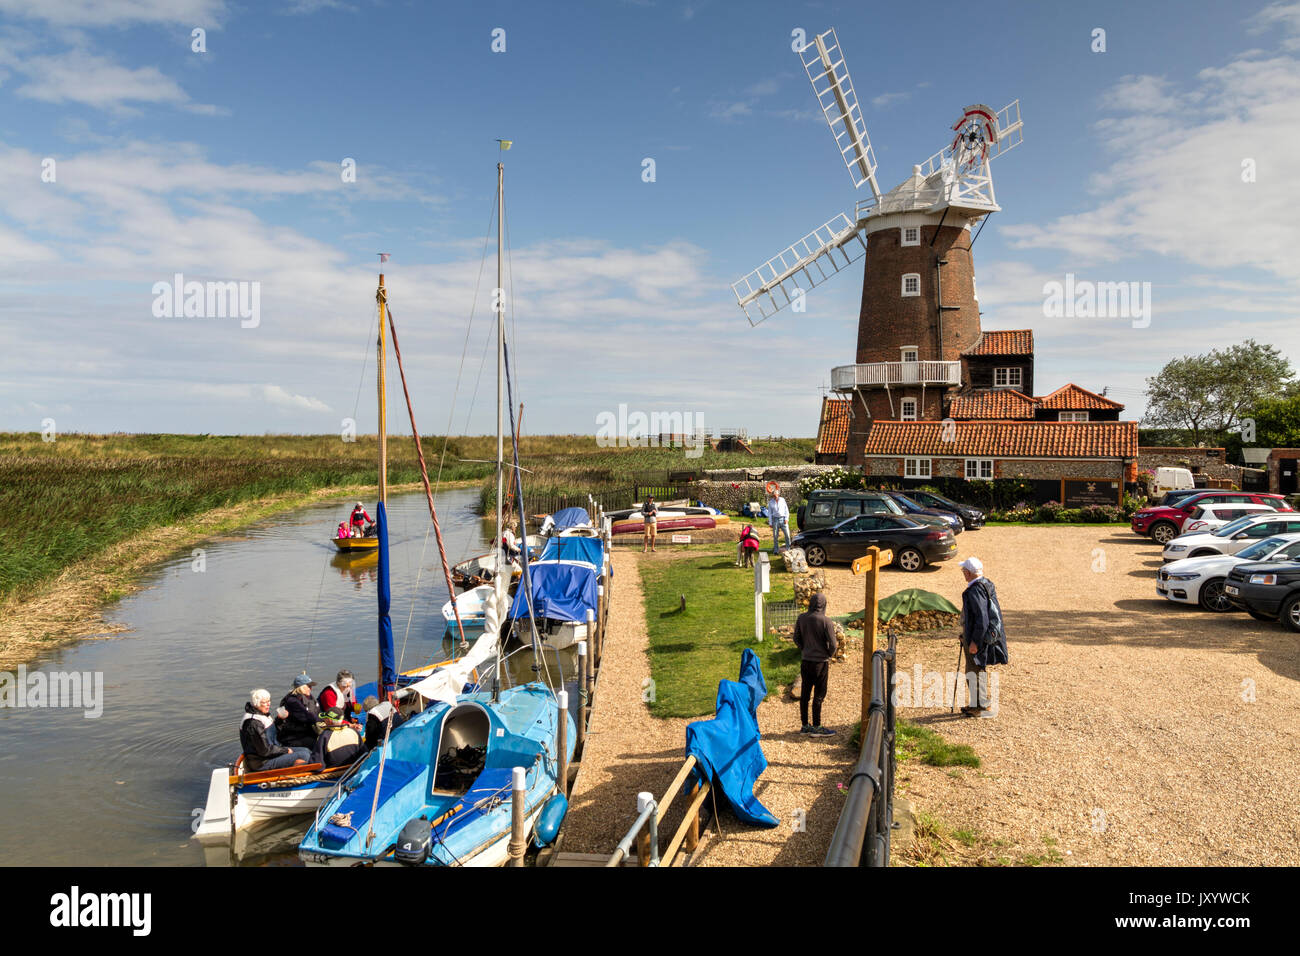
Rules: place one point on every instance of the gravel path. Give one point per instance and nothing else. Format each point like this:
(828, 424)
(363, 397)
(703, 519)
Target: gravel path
(1123, 735)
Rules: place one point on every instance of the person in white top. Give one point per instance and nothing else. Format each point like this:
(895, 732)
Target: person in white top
(778, 516)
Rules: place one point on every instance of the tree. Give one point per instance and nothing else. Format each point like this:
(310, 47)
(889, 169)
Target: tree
(1277, 422)
(1209, 395)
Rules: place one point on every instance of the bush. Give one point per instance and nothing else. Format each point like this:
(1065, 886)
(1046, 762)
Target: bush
(1051, 511)
(831, 478)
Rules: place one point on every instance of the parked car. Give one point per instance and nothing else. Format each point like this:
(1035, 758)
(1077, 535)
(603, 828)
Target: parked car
(914, 544)
(971, 517)
(1213, 516)
(915, 509)
(1233, 536)
(827, 507)
(1173, 497)
(1163, 523)
(1201, 580)
(1267, 591)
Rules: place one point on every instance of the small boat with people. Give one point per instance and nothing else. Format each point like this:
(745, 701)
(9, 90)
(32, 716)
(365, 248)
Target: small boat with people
(356, 534)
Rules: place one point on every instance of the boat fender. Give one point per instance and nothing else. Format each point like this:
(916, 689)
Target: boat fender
(413, 843)
(549, 820)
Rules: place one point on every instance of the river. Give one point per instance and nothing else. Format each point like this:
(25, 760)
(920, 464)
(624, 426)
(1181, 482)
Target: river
(253, 609)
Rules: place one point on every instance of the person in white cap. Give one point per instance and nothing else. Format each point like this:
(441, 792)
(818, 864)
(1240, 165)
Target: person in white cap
(359, 520)
(983, 638)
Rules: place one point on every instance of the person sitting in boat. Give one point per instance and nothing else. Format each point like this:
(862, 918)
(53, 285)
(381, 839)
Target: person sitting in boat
(747, 547)
(510, 541)
(344, 530)
(340, 695)
(338, 743)
(362, 523)
(376, 718)
(297, 728)
(257, 735)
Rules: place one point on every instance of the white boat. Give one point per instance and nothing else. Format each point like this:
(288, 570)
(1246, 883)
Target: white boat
(472, 605)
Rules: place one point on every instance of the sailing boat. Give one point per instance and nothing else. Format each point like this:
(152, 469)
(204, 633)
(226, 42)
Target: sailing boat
(440, 785)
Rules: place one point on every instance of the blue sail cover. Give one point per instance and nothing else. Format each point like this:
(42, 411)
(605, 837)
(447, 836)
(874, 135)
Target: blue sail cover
(387, 661)
(726, 747)
(574, 549)
(570, 518)
(561, 591)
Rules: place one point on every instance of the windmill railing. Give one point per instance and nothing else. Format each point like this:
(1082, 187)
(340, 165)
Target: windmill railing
(848, 377)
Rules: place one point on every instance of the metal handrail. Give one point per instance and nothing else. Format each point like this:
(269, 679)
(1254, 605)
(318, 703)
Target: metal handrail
(649, 817)
(895, 373)
(862, 831)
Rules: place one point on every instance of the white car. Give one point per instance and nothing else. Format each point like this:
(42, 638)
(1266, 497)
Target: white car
(1200, 580)
(1233, 536)
(1213, 516)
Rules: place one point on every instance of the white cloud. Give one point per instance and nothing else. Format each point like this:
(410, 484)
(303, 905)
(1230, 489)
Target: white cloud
(105, 13)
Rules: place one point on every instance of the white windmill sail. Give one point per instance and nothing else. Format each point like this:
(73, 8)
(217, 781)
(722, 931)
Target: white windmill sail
(801, 266)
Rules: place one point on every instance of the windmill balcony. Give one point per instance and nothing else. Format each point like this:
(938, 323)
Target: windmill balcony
(845, 378)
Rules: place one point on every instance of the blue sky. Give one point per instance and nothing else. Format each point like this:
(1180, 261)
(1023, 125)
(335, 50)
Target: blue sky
(224, 165)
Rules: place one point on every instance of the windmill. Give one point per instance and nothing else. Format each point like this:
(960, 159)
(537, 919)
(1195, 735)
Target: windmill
(920, 310)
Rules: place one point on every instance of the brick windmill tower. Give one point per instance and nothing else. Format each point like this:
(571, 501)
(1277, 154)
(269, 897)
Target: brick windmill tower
(919, 311)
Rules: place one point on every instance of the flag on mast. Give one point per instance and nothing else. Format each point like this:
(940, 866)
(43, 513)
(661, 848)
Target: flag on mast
(383, 256)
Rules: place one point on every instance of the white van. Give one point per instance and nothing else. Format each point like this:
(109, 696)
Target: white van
(1173, 479)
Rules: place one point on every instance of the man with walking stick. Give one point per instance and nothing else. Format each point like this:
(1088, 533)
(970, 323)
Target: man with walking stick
(983, 638)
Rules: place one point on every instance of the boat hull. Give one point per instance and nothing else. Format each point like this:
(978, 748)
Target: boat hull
(680, 523)
(357, 545)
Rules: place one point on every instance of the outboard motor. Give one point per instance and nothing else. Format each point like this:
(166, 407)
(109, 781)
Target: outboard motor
(413, 843)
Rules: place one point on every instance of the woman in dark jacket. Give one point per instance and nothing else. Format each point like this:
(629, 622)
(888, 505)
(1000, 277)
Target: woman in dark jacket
(298, 729)
(984, 640)
(257, 737)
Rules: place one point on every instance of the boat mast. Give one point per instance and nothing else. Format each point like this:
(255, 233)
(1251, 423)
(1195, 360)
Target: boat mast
(499, 299)
(381, 296)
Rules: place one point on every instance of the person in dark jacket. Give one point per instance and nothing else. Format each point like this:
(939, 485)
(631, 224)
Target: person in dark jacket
(814, 635)
(257, 736)
(376, 718)
(338, 744)
(298, 727)
(983, 637)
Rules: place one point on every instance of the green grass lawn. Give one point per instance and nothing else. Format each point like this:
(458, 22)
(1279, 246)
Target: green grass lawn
(692, 649)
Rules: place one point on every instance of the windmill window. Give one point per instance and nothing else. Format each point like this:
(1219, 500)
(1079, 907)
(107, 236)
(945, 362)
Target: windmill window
(910, 353)
(912, 283)
(974, 289)
(1003, 377)
(908, 406)
(911, 236)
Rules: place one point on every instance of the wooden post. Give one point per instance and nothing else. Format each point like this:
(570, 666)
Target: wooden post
(518, 843)
(870, 635)
(600, 619)
(693, 825)
(584, 692)
(562, 740)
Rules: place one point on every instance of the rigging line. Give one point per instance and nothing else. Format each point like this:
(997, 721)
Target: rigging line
(424, 475)
(365, 355)
(487, 234)
(510, 281)
(315, 614)
(491, 334)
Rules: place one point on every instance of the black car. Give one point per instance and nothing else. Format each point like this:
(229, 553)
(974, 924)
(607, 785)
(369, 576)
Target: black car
(1268, 591)
(970, 516)
(917, 510)
(914, 544)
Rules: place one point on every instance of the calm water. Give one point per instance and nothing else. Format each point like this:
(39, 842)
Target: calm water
(272, 600)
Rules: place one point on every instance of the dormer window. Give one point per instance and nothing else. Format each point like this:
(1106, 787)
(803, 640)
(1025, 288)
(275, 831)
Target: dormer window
(911, 236)
(912, 283)
(1007, 377)
(1074, 416)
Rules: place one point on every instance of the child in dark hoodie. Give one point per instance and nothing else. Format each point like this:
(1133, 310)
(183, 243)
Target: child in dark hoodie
(814, 635)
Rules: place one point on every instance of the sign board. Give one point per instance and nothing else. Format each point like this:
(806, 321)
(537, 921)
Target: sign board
(1079, 493)
(863, 564)
(681, 539)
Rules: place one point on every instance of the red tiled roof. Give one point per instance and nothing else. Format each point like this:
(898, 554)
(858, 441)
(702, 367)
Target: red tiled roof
(1070, 397)
(1005, 439)
(993, 403)
(1006, 342)
(833, 432)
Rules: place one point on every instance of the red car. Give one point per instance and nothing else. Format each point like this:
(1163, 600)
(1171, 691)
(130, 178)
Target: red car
(1164, 523)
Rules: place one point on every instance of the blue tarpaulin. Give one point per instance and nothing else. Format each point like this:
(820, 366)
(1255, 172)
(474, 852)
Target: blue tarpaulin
(561, 591)
(570, 518)
(387, 660)
(726, 747)
(575, 548)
